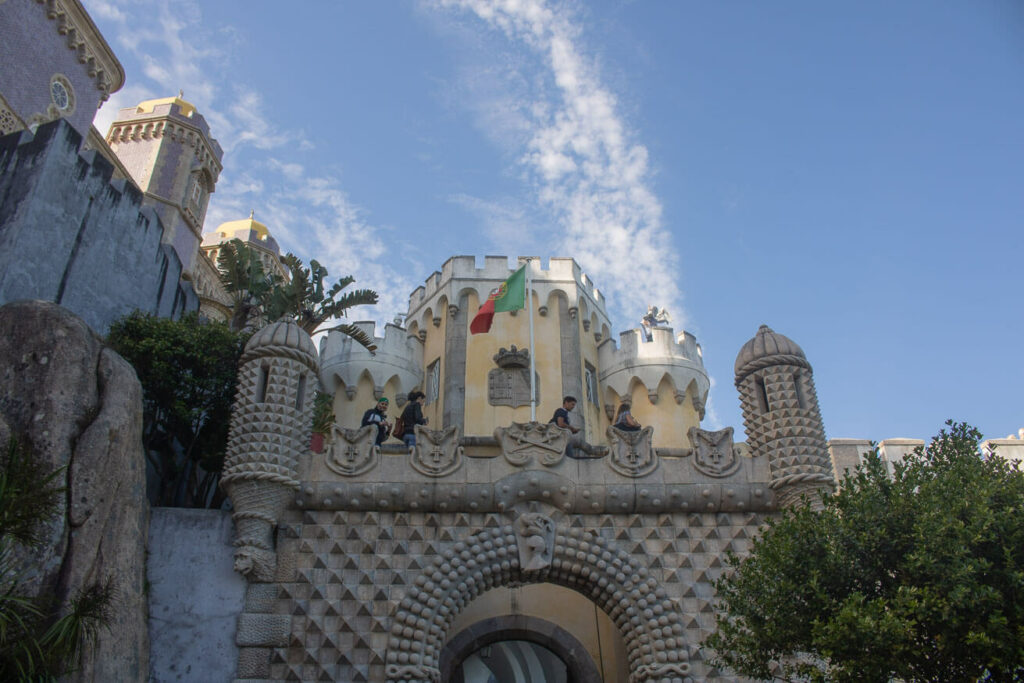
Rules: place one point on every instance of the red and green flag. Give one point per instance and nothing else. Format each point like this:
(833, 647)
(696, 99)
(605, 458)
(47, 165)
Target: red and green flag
(510, 296)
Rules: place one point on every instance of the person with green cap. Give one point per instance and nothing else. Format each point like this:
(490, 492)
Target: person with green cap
(378, 415)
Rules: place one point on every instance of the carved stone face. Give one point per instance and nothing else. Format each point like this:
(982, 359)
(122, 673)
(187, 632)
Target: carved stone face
(244, 561)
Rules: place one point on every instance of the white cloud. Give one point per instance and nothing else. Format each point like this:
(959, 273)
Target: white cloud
(583, 162)
(309, 214)
(506, 221)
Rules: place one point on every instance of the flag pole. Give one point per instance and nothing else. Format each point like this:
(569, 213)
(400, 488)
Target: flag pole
(533, 350)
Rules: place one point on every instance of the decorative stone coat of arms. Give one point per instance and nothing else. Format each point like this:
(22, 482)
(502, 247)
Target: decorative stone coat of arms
(535, 537)
(631, 452)
(436, 453)
(713, 452)
(509, 383)
(523, 441)
(352, 451)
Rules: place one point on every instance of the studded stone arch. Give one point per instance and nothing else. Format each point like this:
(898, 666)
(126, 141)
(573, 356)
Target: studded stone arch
(581, 560)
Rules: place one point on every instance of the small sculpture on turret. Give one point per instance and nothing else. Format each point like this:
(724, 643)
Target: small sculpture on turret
(654, 317)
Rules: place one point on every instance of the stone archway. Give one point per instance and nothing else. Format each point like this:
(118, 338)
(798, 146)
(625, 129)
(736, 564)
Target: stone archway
(582, 668)
(515, 554)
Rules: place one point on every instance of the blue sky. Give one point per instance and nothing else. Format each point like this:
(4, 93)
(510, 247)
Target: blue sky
(851, 174)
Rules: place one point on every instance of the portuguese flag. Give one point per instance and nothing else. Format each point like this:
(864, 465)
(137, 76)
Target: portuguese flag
(510, 296)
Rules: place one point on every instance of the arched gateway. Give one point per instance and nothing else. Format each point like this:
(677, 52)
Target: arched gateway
(372, 563)
(535, 550)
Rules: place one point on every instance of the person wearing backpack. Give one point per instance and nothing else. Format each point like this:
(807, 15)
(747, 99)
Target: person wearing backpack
(412, 416)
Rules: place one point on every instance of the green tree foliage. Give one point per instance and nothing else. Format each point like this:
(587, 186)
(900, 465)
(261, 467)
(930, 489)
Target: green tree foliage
(188, 370)
(917, 575)
(39, 640)
(260, 297)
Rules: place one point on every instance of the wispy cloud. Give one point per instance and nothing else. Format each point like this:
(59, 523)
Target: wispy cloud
(309, 213)
(582, 160)
(506, 221)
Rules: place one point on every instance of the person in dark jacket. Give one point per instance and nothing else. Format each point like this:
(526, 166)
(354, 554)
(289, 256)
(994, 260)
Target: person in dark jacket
(625, 421)
(378, 415)
(412, 416)
(576, 444)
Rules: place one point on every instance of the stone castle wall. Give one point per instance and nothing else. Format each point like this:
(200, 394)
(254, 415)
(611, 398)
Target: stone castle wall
(347, 579)
(71, 235)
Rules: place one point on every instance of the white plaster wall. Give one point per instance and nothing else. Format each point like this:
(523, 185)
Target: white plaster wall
(195, 596)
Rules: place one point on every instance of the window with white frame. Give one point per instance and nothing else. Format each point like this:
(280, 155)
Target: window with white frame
(590, 383)
(196, 195)
(433, 389)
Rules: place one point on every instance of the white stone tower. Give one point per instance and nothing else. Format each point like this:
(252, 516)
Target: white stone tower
(167, 148)
(270, 428)
(780, 411)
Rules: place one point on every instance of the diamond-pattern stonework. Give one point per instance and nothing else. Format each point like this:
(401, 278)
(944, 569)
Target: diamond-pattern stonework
(353, 570)
(780, 411)
(385, 570)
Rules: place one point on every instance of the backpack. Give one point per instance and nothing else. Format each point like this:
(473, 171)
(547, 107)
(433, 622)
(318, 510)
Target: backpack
(399, 430)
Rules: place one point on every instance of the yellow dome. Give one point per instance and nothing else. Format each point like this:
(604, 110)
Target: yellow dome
(187, 108)
(242, 229)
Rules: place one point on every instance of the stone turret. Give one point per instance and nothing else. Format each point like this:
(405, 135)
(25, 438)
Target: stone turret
(636, 370)
(648, 362)
(270, 427)
(357, 378)
(780, 411)
(167, 147)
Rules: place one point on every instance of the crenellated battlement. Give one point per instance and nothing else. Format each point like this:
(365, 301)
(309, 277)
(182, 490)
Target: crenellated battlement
(175, 120)
(50, 189)
(345, 361)
(460, 273)
(638, 360)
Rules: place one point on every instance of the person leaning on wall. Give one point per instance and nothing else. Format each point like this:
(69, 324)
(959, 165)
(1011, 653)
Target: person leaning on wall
(412, 416)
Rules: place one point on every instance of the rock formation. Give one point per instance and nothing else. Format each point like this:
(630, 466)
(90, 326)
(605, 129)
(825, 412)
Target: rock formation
(77, 404)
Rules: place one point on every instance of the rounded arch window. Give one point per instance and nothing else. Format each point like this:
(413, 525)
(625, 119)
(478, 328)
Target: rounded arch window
(62, 94)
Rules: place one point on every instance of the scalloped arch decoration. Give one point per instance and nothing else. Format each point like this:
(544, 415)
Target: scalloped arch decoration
(581, 560)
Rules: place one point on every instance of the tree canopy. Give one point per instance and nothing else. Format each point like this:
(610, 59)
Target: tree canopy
(188, 373)
(915, 574)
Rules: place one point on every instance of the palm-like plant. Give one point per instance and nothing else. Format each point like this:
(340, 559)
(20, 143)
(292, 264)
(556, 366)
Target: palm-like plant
(39, 640)
(305, 298)
(246, 281)
(260, 297)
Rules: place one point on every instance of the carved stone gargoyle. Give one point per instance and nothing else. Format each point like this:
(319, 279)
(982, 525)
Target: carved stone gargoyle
(436, 453)
(713, 452)
(351, 452)
(631, 452)
(535, 537)
(523, 441)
